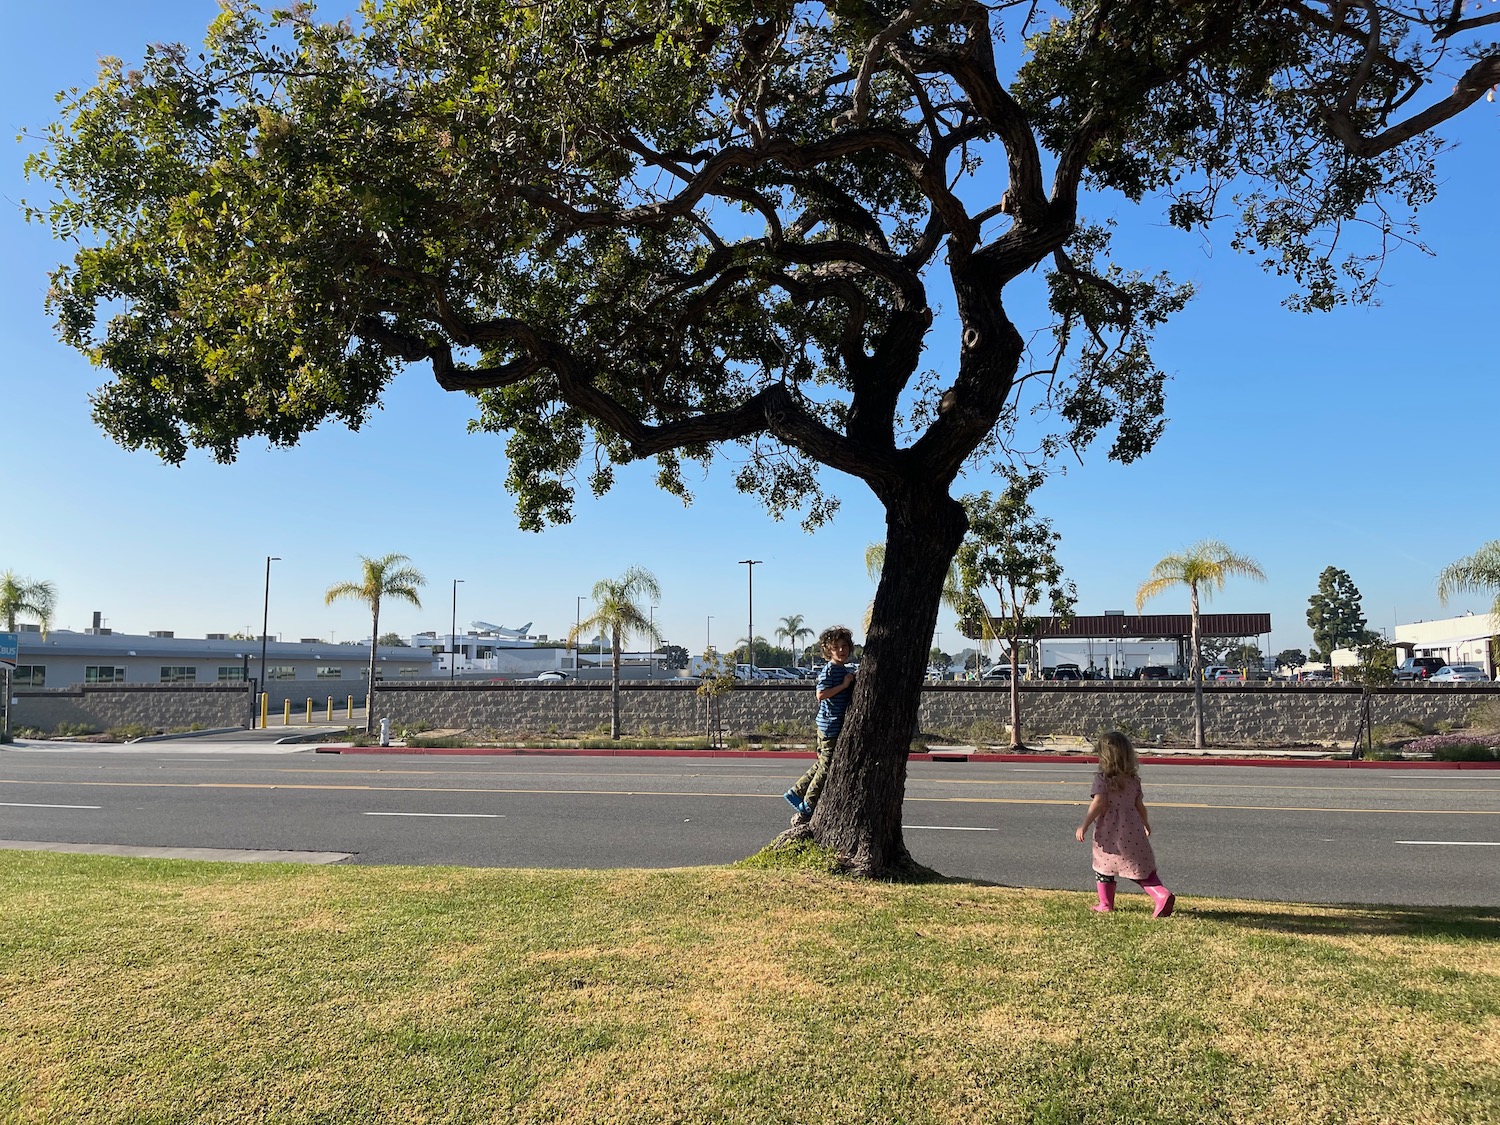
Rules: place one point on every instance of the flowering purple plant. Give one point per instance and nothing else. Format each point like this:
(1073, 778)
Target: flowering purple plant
(1433, 742)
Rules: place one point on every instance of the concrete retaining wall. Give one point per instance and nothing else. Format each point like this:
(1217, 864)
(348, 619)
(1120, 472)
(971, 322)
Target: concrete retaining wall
(1151, 712)
(159, 706)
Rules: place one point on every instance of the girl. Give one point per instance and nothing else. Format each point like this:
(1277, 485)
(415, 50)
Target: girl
(1121, 827)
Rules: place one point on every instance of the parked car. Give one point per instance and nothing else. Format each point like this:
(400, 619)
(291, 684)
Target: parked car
(1229, 676)
(553, 677)
(1211, 673)
(1459, 674)
(1067, 672)
(1154, 672)
(1314, 677)
(998, 672)
(1419, 668)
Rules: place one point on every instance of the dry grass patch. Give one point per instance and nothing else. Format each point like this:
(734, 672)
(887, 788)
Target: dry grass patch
(140, 990)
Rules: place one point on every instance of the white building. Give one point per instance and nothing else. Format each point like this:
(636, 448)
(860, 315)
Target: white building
(64, 658)
(1458, 640)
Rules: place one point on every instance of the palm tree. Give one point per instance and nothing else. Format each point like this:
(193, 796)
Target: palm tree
(1203, 566)
(23, 596)
(792, 630)
(384, 577)
(1479, 573)
(617, 610)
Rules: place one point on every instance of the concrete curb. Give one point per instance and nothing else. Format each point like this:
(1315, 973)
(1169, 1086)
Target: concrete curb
(957, 755)
(180, 734)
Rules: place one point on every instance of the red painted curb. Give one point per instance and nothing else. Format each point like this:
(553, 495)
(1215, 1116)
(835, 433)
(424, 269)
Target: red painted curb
(930, 756)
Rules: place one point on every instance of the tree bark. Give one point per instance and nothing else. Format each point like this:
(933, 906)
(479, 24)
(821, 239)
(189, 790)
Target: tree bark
(859, 812)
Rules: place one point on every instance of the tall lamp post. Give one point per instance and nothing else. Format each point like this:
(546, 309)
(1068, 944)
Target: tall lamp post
(751, 564)
(651, 639)
(265, 621)
(453, 636)
(708, 637)
(577, 625)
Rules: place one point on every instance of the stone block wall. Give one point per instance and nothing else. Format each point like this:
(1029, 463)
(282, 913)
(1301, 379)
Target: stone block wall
(1152, 712)
(159, 706)
(1266, 714)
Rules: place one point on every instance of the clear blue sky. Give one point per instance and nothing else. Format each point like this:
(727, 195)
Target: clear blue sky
(1362, 439)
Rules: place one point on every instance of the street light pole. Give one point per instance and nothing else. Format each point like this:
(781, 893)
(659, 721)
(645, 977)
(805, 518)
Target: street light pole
(708, 637)
(577, 625)
(651, 639)
(751, 564)
(453, 636)
(265, 621)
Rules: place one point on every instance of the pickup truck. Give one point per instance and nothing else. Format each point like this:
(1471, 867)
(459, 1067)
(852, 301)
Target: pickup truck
(1418, 668)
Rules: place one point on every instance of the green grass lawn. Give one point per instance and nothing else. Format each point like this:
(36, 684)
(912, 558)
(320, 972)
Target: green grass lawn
(146, 991)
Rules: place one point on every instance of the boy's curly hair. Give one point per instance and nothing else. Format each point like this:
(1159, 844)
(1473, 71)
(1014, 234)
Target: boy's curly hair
(835, 633)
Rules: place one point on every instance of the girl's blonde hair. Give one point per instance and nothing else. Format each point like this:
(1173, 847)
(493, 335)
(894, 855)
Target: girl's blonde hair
(1117, 757)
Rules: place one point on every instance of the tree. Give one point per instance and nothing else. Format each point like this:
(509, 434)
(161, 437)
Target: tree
(618, 611)
(1202, 568)
(1291, 658)
(634, 231)
(1478, 573)
(1336, 615)
(25, 597)
(392, 640)
(795, 633)
(380, 578)
(1013, 551)
(1246, 654)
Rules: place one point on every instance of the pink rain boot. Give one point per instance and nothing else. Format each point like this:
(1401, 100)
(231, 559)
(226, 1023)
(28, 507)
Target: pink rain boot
(1106, 901)
(1165, 900)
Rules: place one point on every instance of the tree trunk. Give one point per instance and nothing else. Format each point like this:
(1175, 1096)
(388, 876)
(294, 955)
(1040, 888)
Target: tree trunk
(370, 686)
(1197, 674)
(1015, 696)
(859, 812)
(614, 685)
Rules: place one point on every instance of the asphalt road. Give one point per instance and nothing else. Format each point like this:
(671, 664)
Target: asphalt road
(1402, 837)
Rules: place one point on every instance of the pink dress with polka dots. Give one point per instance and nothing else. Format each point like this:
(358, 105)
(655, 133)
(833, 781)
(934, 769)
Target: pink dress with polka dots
(1120, 843)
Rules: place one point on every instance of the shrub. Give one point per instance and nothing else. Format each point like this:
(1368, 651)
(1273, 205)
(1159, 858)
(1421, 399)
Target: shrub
(128, 731)
(448, 741)
(1471, 752)
(1486, 716)
(1460, 746)
(74, 730)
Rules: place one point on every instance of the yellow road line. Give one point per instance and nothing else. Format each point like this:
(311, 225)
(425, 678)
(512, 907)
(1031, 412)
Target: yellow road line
(722, 796)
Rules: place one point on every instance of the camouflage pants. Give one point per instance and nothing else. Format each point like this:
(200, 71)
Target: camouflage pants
(810, 784)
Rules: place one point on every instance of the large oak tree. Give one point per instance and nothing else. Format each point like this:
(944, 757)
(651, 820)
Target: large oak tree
(640, 231)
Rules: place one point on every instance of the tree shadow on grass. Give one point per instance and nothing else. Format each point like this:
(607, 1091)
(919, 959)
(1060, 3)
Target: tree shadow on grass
(1473, 923)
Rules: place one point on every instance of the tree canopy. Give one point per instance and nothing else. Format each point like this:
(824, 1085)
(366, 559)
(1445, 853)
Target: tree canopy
(1336, 615)
(661, 231)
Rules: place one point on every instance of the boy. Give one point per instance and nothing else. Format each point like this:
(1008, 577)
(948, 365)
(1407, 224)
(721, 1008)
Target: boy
(834, 684)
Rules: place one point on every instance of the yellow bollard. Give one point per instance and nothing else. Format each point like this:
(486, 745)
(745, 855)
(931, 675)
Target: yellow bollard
(330, 708)
(265, 706)
(349, 711)
(286, 714)
(309, 711)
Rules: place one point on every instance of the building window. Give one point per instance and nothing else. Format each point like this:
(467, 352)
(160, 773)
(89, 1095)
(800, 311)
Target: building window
(103, 674)
(409, 672)
(179, 674)
(281, 672)
(328, 672)
(231, 674)
(30, 675)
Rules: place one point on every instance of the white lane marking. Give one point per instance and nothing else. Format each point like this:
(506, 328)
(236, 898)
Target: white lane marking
(27, 805)
(451, 815)
(1456, 843)
(950, 828)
